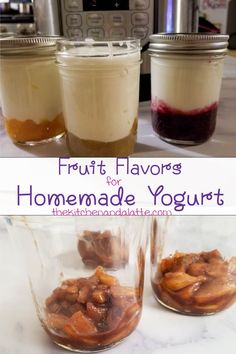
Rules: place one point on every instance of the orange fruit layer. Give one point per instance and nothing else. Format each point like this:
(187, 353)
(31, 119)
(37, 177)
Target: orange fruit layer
(28, 130)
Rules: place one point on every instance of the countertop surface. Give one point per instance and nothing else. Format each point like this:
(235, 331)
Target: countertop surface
(223, 142)
(159, 332)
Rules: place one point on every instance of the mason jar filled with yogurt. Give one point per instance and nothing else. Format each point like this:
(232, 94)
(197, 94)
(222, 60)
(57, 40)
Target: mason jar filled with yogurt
(30, 90)
(186, 74)
(100, 93)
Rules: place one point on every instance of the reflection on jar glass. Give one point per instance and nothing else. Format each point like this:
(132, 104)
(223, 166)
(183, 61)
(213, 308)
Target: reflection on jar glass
(80, 308)
(186, 73)
(30, 90)
(193, 263)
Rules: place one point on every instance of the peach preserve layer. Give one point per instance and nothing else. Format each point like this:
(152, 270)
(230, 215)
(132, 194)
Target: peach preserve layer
(29, 131)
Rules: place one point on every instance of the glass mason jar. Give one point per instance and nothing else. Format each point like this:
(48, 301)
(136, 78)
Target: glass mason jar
(83, 308)
(100, 92)
(186, 74)
(30, 89)
(193, 263)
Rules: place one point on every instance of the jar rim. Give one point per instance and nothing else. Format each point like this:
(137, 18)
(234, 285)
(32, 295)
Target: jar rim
(93, 48)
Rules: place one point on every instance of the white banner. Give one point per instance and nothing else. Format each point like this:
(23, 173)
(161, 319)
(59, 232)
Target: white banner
(119, 186)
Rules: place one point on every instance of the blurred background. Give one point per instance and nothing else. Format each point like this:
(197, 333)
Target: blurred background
(20, 16)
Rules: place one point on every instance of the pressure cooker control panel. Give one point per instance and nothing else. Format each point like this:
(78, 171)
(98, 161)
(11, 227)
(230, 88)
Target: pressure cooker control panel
(102, 19)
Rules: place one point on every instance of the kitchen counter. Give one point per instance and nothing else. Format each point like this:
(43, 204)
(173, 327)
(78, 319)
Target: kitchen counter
(223, 142)
(159, 332)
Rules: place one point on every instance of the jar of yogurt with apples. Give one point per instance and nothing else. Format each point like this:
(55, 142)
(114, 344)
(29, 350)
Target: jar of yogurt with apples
(186, 73)
(100, 90)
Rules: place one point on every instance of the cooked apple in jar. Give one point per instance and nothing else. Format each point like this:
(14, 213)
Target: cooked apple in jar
(92, 313)
(102, 248)
(196, 283)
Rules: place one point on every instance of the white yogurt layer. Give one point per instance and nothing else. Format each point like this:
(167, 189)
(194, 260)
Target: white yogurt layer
(186, 84)
(30, 89)
(100, 95)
